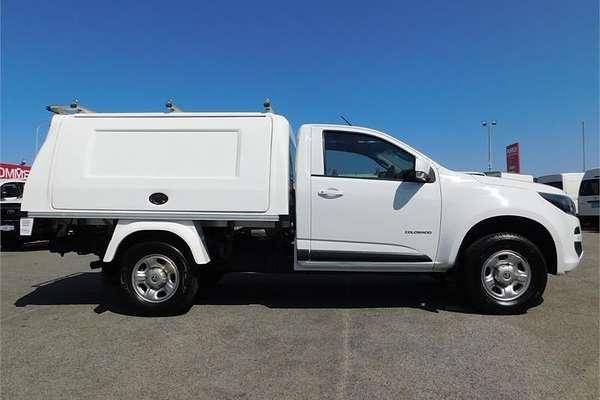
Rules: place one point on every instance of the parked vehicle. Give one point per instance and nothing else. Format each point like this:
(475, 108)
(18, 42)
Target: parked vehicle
(169, 201)
(567, 182)
(10, 216)
(511, 175)
(10, 212)
(589, 198)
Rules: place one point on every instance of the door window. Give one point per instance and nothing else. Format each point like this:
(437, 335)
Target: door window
(355, 155)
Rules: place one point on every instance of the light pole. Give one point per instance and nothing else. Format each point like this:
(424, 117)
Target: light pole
(583, 143)
(489, 127)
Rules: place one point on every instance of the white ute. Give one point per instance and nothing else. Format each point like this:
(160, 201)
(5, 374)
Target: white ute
(171, 201)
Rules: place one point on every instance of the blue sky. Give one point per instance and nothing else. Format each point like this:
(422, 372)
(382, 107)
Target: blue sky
(426, 72)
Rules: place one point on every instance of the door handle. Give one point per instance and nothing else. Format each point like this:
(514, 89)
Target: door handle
(330, 193)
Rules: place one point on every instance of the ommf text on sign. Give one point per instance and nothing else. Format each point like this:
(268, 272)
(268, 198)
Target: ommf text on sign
(12, 171)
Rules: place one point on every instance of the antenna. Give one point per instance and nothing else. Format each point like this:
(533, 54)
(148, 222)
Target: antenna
(345, 120)
(172, 107)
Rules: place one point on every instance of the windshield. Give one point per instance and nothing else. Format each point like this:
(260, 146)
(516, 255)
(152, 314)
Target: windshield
(12, 190)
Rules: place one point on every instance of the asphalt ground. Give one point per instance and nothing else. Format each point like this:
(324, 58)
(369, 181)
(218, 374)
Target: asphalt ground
(65, 334)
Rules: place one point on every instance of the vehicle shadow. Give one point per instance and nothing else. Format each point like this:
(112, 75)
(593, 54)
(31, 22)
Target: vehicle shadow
(320, 290)
(289, 291)
(28, 246)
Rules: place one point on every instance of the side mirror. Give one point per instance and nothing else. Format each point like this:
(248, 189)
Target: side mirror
(423, 171)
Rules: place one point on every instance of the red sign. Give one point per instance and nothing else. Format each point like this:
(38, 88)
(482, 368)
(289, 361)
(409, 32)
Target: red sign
(513, 158)
(12, 171)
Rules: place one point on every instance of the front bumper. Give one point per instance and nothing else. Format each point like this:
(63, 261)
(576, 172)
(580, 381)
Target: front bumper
(571, 250)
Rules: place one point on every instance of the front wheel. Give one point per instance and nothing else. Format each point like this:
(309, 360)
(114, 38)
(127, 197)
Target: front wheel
(157, 278)
(504, 273)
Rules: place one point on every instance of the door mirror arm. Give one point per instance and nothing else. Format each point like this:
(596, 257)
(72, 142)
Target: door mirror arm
(423, 171)
(422, 177)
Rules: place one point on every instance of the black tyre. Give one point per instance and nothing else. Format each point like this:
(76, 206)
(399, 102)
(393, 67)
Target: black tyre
(503, 273)
(157, 278)
(111, 274)
(209, 277)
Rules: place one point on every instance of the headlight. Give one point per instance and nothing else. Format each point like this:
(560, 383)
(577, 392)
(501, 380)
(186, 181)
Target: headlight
(563, 202)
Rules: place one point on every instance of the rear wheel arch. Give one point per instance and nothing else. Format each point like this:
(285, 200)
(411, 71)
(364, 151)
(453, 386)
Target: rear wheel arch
(526, 227)
(185, 235)
(153, 236)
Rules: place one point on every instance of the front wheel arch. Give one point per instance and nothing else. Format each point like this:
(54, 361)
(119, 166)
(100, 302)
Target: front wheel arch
(528, 228)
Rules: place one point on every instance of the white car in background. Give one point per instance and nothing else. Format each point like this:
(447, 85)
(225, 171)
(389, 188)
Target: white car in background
(511, 175)
(589, 198)
(568, 182)
(10, 212)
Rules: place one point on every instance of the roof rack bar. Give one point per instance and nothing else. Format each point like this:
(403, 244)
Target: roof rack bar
(75, 106)
(56, 109)
(172, 107)
(70, 109)
(268, 106)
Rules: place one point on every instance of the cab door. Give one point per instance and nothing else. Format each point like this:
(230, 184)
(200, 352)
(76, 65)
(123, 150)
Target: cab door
(366, 210)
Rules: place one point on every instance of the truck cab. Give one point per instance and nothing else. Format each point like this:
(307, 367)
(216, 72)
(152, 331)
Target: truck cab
(360, 204)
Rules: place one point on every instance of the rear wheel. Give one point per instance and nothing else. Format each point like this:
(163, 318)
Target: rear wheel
(504, 273)
(157, 278)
